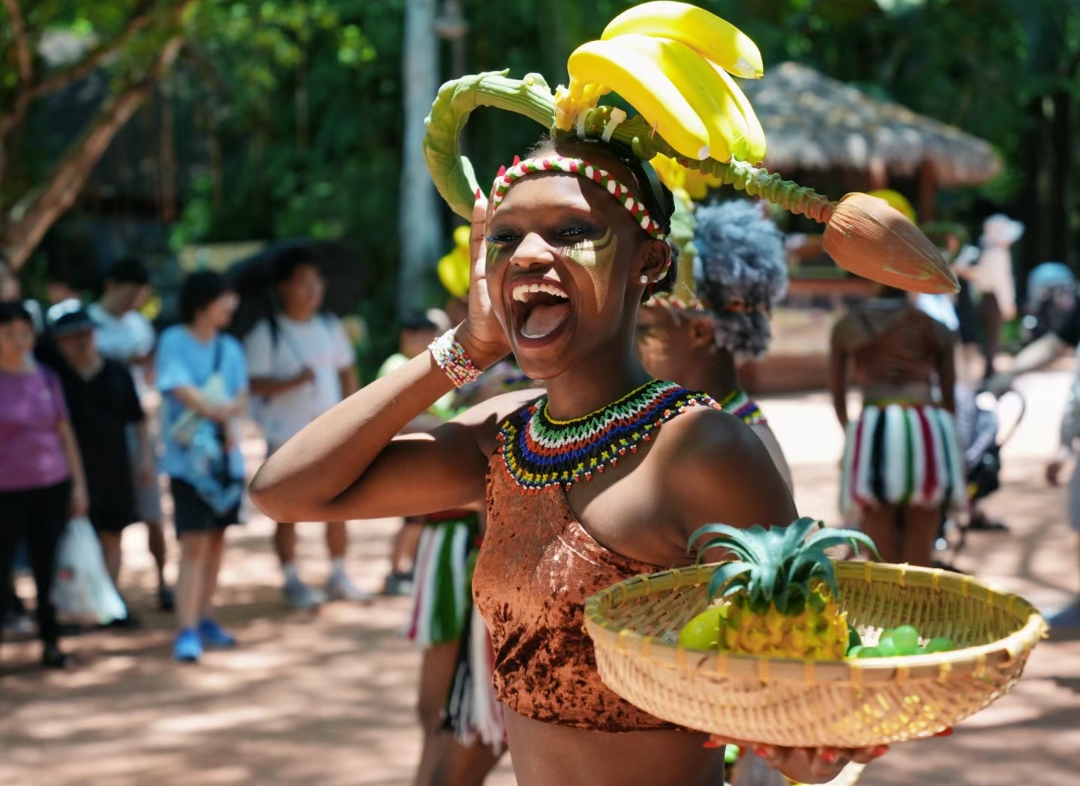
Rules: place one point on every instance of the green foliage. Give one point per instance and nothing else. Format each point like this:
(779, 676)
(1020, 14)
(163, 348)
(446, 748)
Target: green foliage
(302, 99)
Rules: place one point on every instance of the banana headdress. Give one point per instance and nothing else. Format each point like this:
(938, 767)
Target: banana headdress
(672, 62)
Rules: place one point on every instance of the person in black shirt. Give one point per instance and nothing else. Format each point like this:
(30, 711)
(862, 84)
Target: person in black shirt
(103, 401)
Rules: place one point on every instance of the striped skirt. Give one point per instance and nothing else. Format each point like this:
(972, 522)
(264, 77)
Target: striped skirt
(900, 454)
(442, 579)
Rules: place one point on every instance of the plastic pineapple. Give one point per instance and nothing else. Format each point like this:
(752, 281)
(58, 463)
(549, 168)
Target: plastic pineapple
(781, 591)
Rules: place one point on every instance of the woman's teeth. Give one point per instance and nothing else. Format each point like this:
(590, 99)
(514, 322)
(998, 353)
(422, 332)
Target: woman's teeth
(522, 291)
(545, 307)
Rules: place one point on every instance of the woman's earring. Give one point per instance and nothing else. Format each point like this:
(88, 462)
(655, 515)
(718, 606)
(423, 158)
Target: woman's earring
(644, 279)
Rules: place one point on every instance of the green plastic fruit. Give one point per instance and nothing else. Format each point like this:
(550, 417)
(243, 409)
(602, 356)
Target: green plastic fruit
(940, 644)
(856, 651)
(869, 652)
(886, 645)
(703, 631)
(731, 753)
(905, 639)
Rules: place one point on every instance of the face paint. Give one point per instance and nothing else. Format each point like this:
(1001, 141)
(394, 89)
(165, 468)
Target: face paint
(598, 259)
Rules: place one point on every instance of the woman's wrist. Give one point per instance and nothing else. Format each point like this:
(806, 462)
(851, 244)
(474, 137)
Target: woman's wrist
(454, 360)
(483, 354)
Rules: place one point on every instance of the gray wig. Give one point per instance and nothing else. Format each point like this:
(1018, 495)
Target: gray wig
(740, 272)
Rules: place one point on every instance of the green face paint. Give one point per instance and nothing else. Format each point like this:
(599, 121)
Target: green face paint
(598, 259)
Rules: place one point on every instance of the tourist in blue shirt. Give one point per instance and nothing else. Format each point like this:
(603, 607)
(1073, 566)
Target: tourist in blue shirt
(202, 376)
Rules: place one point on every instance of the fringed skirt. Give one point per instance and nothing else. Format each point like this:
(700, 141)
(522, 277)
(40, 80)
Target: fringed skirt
(442, 612)
(901, 454)
(442, 591)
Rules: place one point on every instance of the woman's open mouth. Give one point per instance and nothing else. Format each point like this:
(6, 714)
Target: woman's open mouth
(540, 308)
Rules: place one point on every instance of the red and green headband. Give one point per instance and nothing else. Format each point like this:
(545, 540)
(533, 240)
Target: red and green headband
(582, 168)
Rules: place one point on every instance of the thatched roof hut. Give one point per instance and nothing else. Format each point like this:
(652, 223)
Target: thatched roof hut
(813, 123)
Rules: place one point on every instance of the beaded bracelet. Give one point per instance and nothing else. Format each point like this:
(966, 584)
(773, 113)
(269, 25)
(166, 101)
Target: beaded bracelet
(453, 359)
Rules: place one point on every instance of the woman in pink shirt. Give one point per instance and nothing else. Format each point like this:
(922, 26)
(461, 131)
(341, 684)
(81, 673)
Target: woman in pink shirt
(41, 475)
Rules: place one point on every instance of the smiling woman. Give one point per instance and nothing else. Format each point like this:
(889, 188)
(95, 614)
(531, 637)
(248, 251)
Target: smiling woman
(603, 477)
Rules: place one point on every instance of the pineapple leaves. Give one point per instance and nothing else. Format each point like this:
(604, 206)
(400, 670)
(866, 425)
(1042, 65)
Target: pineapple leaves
(775, 566)
(827, 538)
(740, 542)
(796, 533)
(724, 578)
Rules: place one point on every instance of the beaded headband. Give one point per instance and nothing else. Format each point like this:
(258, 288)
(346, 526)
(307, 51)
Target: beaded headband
(582, 168)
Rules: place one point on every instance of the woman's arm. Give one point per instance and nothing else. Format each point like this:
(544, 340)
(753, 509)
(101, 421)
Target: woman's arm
(348, 464)
(351, 464)
(946, 367)
(192, 398)
(80, 500)
(268, 387)
(772, 444)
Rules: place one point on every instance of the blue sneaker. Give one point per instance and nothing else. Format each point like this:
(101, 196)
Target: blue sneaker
(187, 648)
(213, 636)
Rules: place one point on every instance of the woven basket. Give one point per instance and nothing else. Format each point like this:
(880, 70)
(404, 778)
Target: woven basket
(858, 703)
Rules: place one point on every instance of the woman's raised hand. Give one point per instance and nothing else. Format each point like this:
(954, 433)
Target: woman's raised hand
(481, 334)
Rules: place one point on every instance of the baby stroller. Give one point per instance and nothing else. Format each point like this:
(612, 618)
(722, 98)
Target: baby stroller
(978, 430)
(1051, 296)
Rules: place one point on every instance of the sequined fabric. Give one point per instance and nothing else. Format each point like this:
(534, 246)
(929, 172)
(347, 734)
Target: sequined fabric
(537, 566)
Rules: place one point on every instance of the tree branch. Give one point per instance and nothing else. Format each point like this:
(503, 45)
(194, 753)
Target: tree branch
(22, 46)
(64, 77)
(70, 176)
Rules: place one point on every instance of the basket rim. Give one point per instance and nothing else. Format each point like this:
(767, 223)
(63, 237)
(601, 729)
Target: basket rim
(1002, 654)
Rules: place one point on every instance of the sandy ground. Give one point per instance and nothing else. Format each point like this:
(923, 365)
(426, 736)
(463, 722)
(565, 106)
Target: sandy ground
(328, 699)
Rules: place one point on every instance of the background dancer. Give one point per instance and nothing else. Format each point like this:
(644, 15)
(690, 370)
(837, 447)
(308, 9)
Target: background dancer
(718, 312)
(902, 463)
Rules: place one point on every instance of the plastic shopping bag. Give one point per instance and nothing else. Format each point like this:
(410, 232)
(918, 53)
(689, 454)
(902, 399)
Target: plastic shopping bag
(83, 589)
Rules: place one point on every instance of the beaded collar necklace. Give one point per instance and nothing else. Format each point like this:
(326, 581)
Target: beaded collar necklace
(540, 452)
(743, 407)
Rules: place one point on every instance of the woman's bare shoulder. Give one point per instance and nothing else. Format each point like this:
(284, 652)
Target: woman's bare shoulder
(485, 418)
(715, 468)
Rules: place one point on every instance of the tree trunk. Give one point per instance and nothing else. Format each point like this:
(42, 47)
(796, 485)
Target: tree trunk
(67, 180)
(419, 221)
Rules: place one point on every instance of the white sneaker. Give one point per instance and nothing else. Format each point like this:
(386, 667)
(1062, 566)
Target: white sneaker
(301, 597)
(340, 587)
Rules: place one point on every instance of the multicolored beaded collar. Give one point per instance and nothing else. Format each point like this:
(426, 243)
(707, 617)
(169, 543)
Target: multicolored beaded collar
(540, 452)
(739, 404)
(581, 167)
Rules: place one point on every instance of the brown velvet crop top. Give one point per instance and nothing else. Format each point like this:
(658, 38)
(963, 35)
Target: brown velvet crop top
(537, 566)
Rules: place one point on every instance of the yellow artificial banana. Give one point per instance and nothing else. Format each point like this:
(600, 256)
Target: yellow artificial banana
(695, 79)
(714, 38)
(755, 134)
(646, 88)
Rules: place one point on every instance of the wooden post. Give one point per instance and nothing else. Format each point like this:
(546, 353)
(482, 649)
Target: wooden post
(927, 188)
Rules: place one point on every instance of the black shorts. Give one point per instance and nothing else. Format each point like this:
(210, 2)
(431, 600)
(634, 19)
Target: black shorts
(110, 516)
(192, 514)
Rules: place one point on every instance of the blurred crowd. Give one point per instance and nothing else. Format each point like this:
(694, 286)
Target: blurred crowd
(83, 436)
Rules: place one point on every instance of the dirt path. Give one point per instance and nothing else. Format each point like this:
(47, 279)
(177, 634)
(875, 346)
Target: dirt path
(327, 699)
